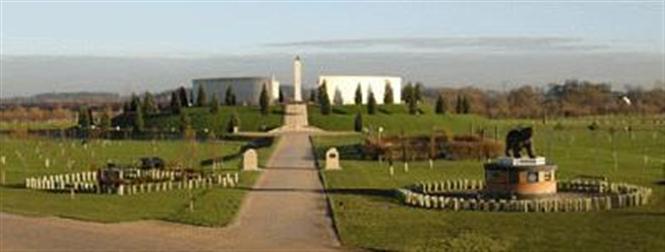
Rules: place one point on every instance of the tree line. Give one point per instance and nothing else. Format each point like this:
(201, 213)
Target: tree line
(568, 99)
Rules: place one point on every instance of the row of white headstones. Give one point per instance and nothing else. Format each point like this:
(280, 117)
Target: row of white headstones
(595, 196)
(87, 182)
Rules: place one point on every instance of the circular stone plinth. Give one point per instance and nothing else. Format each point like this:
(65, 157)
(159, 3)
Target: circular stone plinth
(523, 181)
(572, 196)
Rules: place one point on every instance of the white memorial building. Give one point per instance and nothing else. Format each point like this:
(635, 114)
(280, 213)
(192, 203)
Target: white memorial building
(340, 88)
(343, 87)
(246, 89)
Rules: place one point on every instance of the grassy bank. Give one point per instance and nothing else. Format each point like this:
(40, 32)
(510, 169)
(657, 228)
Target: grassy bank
(27, 158)
(367, 216)
(251, 119)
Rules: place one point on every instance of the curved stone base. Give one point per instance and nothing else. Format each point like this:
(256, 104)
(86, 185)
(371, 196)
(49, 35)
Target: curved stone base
(572, 196)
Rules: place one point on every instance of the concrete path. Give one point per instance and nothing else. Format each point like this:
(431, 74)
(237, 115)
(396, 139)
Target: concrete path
(287, 206)
(295, 121)
(285, 211)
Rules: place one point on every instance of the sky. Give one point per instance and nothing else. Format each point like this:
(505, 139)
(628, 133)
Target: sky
(129, 46)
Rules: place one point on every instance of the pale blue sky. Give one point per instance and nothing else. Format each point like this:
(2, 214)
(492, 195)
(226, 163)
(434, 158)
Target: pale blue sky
(200, 29)
(133, 47)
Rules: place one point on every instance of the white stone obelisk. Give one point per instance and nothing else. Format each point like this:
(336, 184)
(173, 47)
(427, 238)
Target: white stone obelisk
(297, 80)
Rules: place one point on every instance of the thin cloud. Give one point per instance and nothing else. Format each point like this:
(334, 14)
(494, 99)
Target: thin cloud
(505, 44)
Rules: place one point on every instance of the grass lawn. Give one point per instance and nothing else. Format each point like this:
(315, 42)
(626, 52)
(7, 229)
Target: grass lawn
(26, 158)
(367, 216)
(395, 117)
(251, 118)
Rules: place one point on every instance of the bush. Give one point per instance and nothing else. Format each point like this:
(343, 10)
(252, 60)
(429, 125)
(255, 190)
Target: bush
(593, 126)
(358, 123)
(234, 121)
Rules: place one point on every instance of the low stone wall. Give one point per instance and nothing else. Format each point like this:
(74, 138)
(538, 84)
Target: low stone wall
(86, 182)
(592, 196)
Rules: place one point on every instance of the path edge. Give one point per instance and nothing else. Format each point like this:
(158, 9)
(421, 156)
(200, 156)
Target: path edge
(329, 203)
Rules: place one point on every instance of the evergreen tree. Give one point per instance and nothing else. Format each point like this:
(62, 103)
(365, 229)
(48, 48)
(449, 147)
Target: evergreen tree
(417, 92)
(458, 105)
(407, 92)
(234, 121)
(201, 97)
(92, 119)
(358, 123)
(149, 104)
(321, 90)
(264, 101)
(312, 95)
(413, 103)
(440, 107)
(138, 123)
(214, 104)
(84, 120)
(230, 97)
(371, 103)
(126, 107)
(388, 96)
(175, 103)
(280, 96)
(337, 100)
(466, 105)
(182, 94)
(134, 103)
(324, 100)
(359, 95)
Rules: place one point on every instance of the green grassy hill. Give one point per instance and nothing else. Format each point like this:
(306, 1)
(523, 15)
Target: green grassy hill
(393, 118)
(251, 119)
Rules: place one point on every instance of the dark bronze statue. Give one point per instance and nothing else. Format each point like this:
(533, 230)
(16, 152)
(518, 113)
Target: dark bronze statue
(519, 139)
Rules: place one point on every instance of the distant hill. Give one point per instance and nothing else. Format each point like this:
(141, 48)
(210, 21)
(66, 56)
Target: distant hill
(66, 99)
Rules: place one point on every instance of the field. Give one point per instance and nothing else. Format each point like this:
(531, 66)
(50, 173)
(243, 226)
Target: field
(367, 216)
(27, 157)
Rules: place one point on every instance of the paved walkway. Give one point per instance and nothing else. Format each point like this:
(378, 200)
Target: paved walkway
(288, 206)
(285, 211)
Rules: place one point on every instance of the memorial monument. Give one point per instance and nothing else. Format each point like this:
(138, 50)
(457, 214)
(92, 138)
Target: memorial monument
(297, 80)
(514, 175)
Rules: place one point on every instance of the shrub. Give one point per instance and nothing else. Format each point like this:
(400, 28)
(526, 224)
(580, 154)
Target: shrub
(440, 107)
(175, 103)
(324, 100)
(234, 121)
(559, 126)
(593, 126)
(388, 97)
(264, 101)
(201, 97)
(359, 95)
(214, 104)
(358, 123)
(371, 103)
